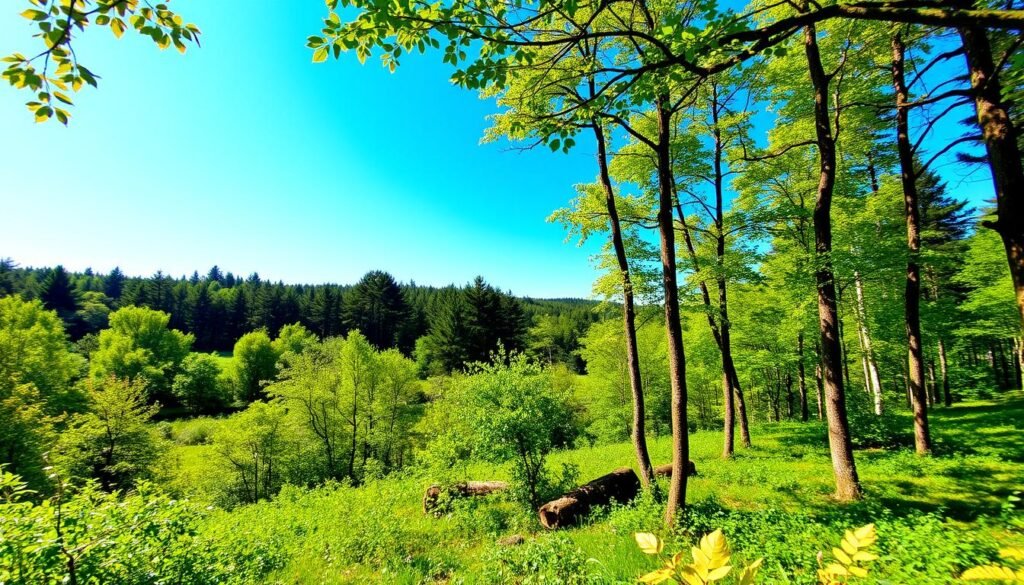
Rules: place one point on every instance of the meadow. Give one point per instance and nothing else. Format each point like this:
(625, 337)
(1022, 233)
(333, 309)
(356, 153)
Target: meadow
(936, 516)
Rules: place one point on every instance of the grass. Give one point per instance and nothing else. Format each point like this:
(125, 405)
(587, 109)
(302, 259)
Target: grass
(936, 515)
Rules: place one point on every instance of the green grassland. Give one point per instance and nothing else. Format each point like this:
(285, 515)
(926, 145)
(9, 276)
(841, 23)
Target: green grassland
(935, 516)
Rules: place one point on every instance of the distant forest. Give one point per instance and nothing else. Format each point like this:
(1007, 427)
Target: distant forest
(447, 327)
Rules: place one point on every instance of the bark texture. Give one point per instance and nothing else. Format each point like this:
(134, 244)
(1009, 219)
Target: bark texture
(847, 482)
(638, 432)
(621, 485)
(466, 489)
(912, 296)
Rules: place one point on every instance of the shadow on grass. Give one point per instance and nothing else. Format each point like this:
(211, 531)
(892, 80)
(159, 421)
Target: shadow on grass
(976, 457)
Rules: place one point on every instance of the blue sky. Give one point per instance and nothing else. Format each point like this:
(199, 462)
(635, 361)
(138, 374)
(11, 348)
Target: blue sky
(246, 155)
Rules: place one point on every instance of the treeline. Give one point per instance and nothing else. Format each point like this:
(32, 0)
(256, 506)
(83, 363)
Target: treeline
(451, 325)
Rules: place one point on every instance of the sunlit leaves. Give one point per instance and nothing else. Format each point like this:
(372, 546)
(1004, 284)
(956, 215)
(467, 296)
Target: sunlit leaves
(649, 543)
(710, 562)
(850, 556)
(998, 572)
(59, 23)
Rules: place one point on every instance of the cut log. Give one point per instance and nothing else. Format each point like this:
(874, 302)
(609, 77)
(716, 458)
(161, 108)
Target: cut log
(666, 470)
(466, 489)
(621, 485)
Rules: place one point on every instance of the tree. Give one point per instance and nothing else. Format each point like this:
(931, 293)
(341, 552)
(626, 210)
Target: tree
(260, 448)
(292, 341)
(375, 306)
(511, 415)
(198, 385)
(113, 284)
(60, 295)
(254, 363)
(34, 351)
(94, 313)
(111, 442)
(355, 402)
(140, 346)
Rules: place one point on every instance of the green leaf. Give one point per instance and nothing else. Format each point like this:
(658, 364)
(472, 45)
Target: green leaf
(36, 15)
(320, 55)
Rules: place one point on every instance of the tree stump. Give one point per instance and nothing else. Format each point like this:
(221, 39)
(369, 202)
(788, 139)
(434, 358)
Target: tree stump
(621, 485)
(466, 489)
(666, 470)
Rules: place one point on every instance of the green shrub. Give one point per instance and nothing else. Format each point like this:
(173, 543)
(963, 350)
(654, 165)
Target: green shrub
(88, 536)
(548, 559)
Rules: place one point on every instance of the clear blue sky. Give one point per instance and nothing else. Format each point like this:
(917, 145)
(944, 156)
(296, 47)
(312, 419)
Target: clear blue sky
(245, 154)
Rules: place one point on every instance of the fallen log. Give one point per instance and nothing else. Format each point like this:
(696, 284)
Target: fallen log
(466, 489)
(666, 470)
(621, 485)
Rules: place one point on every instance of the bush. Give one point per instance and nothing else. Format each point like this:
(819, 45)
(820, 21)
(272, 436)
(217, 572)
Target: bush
(142, 538)
(552, 560)
(871, 431)
(506, 414)
(198, 385)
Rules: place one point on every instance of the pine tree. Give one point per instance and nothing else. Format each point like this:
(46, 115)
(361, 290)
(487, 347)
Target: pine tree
(375, 306)
(58, 294)
(113, 284)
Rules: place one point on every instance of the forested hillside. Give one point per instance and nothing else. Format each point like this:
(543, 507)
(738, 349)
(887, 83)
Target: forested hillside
(801, 361)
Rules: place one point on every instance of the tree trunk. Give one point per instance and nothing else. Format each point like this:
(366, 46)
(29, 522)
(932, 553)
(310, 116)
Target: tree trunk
(789, 396)
(673, 326)
(741, 407)
(819, 382)
(1004, 155)
(466, 489)
(946, 395)
(874, 381)
(843, 466)
(912, 314)
(621, 485)
(1018, 361)
(801, 376)
(933, 387)
(638, 432)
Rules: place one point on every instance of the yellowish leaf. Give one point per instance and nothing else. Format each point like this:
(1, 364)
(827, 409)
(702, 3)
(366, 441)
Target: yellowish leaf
(866, 535)
(836, 569)
(1012, 552)
(649, 543)
(858, 571)
(719, 573)
(749, 573)
(658, 576)
(849, 546)
(842, 557)
(861, 556)
(117, 27)
(691, 576)
(990, 572)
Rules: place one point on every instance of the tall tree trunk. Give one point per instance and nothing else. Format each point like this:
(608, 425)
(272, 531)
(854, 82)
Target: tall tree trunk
(732, 393)
(1018, 361)
(841, 328)
(1004, 154)
(843, 466)
(801, 375)
(946, 395)
(673, 326)
(741, 408)
(933, 387)
(912, 314)
(638, 433)
(874, 381)
(819, 382)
